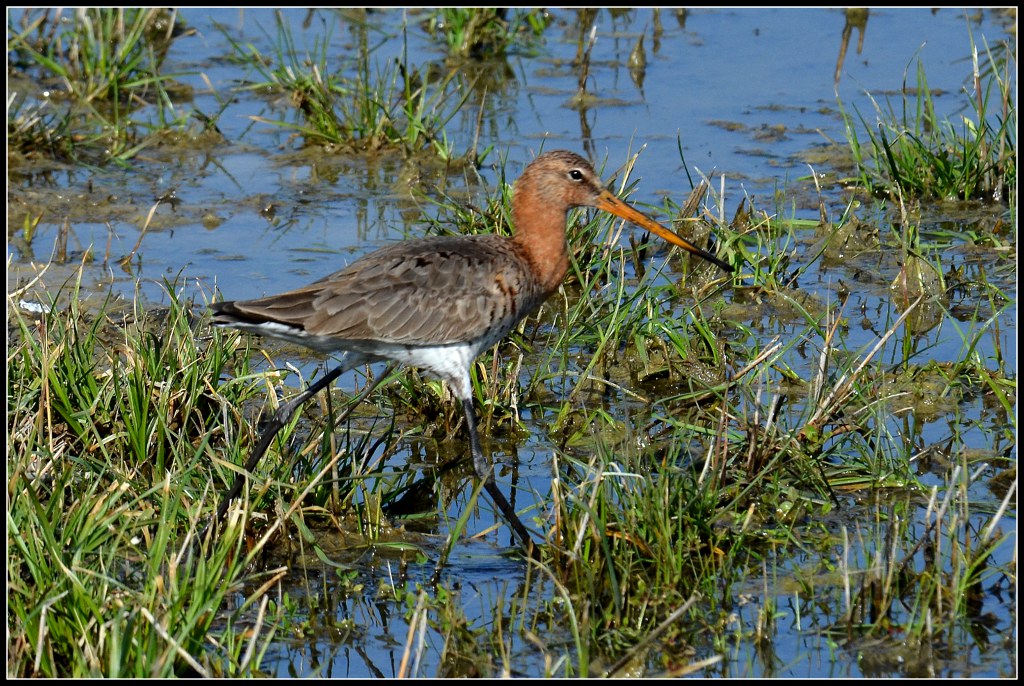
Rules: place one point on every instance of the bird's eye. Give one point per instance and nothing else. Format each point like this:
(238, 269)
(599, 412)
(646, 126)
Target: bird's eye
(576, 175)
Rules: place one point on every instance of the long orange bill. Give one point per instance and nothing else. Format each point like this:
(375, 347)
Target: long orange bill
(609, 203)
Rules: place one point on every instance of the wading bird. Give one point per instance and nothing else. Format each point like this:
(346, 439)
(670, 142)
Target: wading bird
(437, 303)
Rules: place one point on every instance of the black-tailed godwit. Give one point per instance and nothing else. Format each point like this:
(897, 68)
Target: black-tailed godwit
(437, 303)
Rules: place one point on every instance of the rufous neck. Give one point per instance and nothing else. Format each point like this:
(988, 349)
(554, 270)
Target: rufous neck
(540, 234)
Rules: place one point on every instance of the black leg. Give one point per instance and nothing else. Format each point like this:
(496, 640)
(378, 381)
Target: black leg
(278, 422)
(482, 467)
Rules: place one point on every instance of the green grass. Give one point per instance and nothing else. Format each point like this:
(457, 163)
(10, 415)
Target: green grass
(108, 427)
(124, 429)
(486, 32)
(912, 153)
(102, 68)
(100, 55)
(363, 107)
(692, 464)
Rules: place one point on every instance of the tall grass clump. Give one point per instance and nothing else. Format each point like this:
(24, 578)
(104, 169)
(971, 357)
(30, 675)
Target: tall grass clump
(364, 106)
(98, 54)
(98, 69)
(114, 419)
(484, 32)
(909, 151)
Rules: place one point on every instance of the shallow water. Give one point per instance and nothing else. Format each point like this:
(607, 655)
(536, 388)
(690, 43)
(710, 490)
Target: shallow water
(749, 95)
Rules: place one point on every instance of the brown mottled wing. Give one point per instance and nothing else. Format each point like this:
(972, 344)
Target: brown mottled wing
(430, 291)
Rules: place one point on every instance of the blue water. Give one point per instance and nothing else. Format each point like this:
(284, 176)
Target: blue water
(745, 94)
